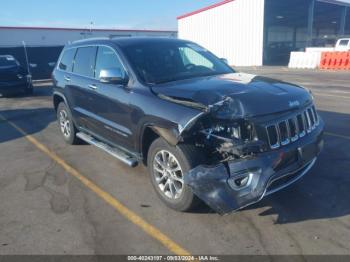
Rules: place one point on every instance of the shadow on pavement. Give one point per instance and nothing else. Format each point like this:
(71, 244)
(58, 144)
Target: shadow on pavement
(30, 120)
(44, 90)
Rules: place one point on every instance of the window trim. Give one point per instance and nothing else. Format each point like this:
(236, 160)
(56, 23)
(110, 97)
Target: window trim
(90, 45)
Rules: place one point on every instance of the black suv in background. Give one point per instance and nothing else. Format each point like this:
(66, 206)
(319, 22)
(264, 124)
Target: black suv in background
(14, 78)
(204, 130)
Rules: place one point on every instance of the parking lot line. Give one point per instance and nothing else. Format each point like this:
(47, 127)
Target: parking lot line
(108, 198)
(336, 135)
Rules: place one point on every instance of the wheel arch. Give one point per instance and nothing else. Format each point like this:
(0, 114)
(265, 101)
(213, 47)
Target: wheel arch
(151, 132)
(57, 99)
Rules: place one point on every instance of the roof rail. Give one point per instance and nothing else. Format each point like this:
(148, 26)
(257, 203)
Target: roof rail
(88, 39)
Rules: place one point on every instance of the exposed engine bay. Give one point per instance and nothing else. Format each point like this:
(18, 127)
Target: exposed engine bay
(228, 140)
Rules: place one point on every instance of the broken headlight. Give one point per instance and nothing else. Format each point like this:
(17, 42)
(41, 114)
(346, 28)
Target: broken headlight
(238, 130)
(232, 140)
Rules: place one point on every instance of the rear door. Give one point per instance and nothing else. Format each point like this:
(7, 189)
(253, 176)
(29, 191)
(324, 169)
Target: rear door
(80, 86)
(63, 75)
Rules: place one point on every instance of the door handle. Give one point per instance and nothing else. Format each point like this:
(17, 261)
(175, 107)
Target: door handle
(67, 78)
(92, 86)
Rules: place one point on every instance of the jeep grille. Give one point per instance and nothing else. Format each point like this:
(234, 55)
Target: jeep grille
(293, 128)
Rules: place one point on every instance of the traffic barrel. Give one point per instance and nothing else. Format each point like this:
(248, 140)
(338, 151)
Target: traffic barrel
(324, 60)
(340, 57)
(346, 61)
(335, 60)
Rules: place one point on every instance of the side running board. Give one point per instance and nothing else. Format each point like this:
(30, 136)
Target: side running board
(116, 152)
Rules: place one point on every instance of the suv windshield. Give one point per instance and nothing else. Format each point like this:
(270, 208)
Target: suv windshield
(171, 61)
(8, 61)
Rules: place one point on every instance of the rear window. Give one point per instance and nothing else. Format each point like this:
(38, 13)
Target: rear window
(66, 62)
(8, 61)
(84, 63)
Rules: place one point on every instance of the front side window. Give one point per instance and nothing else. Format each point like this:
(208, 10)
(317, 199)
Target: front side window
(107, 59)
(163, 62)
(84, 63)
(66, 62)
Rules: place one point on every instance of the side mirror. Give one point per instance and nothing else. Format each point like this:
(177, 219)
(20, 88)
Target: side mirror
(113, 76)
(224, 60)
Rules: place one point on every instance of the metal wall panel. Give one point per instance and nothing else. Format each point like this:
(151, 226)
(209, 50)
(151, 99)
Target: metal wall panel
(233, 31)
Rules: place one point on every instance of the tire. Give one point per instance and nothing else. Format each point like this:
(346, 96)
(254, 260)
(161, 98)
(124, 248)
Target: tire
(187, 157)
(69, 131)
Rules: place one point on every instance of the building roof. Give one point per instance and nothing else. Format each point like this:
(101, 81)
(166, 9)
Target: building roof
(205, 9)
(84, 29)
(339, 2)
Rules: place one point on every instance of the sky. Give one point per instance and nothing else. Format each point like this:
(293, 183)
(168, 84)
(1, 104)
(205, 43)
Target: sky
(128, 14)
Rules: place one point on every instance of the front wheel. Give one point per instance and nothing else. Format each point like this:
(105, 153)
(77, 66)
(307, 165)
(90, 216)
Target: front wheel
(167, 166)
(66, 125)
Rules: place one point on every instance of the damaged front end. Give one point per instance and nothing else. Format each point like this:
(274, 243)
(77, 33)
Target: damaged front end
(225, 132)
(242, 167)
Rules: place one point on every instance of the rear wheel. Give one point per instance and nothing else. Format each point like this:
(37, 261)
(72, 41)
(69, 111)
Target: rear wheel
(66, 125)
(167, 166)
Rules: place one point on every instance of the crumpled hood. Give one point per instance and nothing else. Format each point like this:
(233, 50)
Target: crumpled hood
(246, 95)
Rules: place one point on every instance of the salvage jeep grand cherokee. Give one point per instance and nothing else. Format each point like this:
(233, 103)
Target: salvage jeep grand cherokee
(204, 131)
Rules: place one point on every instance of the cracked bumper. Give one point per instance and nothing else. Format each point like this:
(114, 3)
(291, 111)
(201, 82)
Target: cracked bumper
(265, 174)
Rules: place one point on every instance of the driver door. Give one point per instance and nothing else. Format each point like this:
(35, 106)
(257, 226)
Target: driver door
(111, 108)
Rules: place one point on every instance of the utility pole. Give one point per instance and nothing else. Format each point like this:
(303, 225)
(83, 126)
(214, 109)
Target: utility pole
(310, 23)
(26, 57)
(91, 26)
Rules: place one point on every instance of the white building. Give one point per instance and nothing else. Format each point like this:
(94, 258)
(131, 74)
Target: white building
(257, 32)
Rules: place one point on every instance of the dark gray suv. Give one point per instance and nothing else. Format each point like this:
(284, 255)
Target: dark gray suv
(205, 131)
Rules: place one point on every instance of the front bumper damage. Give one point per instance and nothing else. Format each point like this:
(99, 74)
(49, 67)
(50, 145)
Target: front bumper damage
(233, 185)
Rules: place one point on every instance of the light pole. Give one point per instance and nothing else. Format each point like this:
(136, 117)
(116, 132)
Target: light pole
(91, 25)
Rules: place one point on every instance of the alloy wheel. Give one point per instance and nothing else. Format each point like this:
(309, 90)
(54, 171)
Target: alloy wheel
(168, 174)
(65, 123)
